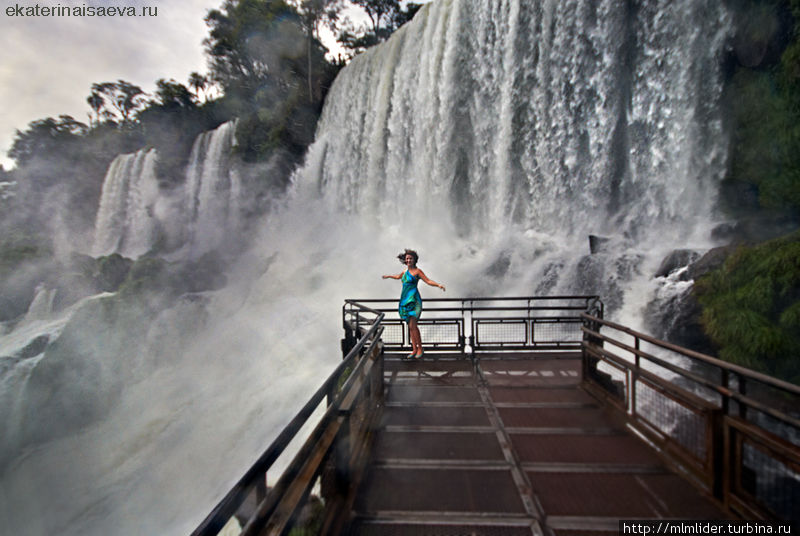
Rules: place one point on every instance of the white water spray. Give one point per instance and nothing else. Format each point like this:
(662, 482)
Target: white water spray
(205, 215)
(213, 190)
(522, 127)
(125, 223)
(493, 136)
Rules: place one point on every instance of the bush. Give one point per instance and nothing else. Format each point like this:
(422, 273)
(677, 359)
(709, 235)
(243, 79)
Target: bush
(751, 307)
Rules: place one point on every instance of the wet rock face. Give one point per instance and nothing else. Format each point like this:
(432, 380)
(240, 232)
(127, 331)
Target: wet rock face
(674, 315)
(712, 260)
(677, 259)
(598, 244)
(606, 276)
(677, 319)
(112, 271)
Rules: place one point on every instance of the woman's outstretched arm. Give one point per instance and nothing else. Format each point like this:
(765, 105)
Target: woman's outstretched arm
(431, 282)
(398, 276)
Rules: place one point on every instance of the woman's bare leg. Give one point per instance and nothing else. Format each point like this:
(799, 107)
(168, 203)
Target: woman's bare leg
(416, 338)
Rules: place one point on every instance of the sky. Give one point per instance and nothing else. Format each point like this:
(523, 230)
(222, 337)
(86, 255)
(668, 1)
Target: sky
(49, 63)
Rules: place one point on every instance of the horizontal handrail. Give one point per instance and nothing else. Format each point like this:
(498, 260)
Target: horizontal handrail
(271, 502)
(726, 413)
(233, 500)
(498, 298)
(517, 308)
(739, 370)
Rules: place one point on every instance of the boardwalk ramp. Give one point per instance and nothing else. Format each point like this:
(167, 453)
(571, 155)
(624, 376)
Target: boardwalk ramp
(529, 416)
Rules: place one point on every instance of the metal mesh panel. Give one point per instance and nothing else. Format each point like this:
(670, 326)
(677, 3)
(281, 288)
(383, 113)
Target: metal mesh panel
(439, 333)
(672, 418)
(557, 332)
(610, 378)
(696, 367)
(393, 333)
(494, 332)
(772, 482)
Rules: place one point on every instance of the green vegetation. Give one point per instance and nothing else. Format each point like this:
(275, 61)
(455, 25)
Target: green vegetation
(19, 248)
(764, 101)
(751, 307)
(267, 68)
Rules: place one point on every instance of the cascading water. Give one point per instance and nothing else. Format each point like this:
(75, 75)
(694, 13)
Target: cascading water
(125, 223)
(132, 209)
(42, 304)
(213, 190)
(523, 127)
(491, 135)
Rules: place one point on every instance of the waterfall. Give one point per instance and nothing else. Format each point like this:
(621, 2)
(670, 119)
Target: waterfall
(42, 305)
(493, 136)
(132, 208)
(212, 190)
(125, 223)
(522, 127)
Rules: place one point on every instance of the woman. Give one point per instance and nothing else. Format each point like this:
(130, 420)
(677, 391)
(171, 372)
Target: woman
(410, 307)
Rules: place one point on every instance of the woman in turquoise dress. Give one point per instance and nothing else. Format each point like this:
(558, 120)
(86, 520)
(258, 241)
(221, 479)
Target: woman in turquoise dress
(410, 306)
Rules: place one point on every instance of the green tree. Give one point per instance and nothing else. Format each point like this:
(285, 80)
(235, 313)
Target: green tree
(173, 95)
(199, 83)
(44, 137)
(314, 14)
(121, 99)
(380, 13)
(751, 307)
(385, 16)
(272, 70)
(764, 96)
(249, 43)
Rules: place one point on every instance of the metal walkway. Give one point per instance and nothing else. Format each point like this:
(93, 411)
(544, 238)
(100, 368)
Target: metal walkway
(509, 446)
(531, 416)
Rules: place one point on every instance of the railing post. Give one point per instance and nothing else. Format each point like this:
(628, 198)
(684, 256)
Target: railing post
(743, 391)
(719, 444)
(716, 449)
(633, 378)
(350, 338)
(261, 489)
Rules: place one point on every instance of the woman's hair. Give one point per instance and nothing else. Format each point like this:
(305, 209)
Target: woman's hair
(411, 252)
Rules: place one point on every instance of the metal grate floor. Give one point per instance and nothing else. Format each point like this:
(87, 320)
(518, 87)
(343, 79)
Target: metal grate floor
(508, 446)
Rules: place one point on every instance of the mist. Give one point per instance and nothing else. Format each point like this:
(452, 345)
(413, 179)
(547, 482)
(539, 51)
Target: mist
(454, 138)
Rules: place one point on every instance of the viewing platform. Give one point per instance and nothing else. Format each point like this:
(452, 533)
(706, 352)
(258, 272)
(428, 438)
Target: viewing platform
(527, 416)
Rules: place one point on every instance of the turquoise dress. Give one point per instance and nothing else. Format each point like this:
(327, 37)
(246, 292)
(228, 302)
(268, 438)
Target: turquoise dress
(410, 300)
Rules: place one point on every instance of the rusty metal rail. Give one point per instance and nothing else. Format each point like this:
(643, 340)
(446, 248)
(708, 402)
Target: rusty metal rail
(335, 447)
(733, 431)
(475, 325)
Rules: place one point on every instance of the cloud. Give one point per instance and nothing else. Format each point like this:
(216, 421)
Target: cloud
(51, 62)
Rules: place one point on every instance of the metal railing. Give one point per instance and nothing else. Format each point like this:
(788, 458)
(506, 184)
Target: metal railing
(487, 324)
(332, 457)
(733, 431)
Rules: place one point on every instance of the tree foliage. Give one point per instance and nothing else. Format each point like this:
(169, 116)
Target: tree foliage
(385, 17)
(764, 97)
(173, 95)
(751, 307)
(44, 136)
(120, 100)
(252, 43)
(272, 67)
